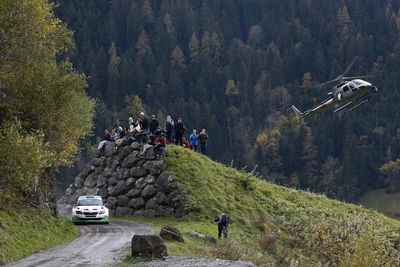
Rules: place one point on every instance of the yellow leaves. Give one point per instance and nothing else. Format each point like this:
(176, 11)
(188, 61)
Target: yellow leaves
(231, 88)
(262, 138)
(268, 137)
(45, 95)
(23, 157)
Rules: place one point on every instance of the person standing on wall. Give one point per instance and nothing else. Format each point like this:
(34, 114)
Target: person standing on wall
(153, 124)
(169, 129)
(179, 132)
(194, 140)
(203, 139)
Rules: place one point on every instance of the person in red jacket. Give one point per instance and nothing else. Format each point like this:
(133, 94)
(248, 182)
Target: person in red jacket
(159, 145)
(186, 143)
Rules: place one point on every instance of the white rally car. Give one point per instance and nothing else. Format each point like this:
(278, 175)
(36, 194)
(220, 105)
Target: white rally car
(90, 209)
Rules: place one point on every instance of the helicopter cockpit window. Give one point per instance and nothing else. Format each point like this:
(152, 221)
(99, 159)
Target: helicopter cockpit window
(340, 84)
(346, 88)
(352, 86)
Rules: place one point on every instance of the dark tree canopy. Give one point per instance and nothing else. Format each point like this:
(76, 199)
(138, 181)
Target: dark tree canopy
(235, 66)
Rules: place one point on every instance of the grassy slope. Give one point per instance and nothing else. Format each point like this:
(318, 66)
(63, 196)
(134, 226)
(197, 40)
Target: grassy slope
(27, 230)
(388, 204)
(275, 225)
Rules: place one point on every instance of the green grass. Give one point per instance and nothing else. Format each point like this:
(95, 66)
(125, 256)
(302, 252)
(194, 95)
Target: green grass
(27, 230)
(273, 225)
(388, 204)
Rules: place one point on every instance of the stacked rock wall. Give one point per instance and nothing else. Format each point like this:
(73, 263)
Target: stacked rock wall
(129, 183)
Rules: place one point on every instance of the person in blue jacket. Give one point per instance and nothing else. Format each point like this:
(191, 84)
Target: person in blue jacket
(194, 140)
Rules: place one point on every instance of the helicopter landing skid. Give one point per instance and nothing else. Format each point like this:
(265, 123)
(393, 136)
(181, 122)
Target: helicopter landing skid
(343, 107)
(358, 105)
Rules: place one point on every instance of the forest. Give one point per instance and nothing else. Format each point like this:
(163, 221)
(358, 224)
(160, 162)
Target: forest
(234, 67)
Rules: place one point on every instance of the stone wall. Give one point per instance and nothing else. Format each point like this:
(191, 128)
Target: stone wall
(130, 183)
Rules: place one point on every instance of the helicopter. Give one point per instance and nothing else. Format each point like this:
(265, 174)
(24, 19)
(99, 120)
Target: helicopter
(350, 92)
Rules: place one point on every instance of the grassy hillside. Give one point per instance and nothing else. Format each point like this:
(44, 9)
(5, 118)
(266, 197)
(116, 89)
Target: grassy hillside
(274, 225)
(25, 231)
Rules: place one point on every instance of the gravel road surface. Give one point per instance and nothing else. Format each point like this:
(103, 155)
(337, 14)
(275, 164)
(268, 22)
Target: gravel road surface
(96, 245)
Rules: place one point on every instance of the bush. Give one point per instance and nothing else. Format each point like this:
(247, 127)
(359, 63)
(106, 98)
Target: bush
(23, 157)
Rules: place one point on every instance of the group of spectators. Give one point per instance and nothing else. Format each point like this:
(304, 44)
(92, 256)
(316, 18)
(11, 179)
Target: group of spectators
(152, 132)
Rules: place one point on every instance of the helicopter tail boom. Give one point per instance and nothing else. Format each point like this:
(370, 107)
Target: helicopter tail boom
(297, 112)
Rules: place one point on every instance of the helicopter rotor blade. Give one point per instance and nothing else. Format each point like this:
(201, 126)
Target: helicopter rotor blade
(323, 84)
(358, 77)
(355, 59)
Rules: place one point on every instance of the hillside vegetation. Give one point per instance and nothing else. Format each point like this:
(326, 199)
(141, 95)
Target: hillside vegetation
(29, 230)
(274, 225)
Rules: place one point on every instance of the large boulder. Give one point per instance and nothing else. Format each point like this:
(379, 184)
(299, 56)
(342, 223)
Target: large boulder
(165, 210)
(108, 149)
(133, 193)
(130, 160)
(78, 182)
(140, 183)
(136, 203)
(87, 170)
(136, 146)
(203, 236)
(171, 233)
(96, 162)
(131, 182)
(92, 191)
(108, 172)
(123, 211)
(149, 191)
(103, 192)
(155, 166)
(151, 204)
(123, 151)
(167, 184)
(122, 173)
(138, 172)
(121, 188)
(112, 181)
(123, 201)
(102, 180)
(112, 202)
(146, 213)
(148, 246)
(161, 198)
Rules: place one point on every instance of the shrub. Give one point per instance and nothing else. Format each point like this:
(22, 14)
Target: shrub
(23, 157)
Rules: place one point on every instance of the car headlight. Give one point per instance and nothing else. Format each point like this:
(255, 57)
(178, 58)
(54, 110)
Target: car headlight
(102, 212)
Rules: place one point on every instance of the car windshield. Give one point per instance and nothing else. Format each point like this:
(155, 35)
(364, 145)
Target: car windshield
(90, 202)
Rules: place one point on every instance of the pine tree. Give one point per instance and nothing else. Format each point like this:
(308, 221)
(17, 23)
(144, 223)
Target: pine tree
(114, 61)
(194, 48)
(142, 45)
(178, 58)
(310, 155)
(206, 45)
(147, 12)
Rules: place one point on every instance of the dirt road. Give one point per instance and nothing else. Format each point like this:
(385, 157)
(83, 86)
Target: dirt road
(96, 245)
